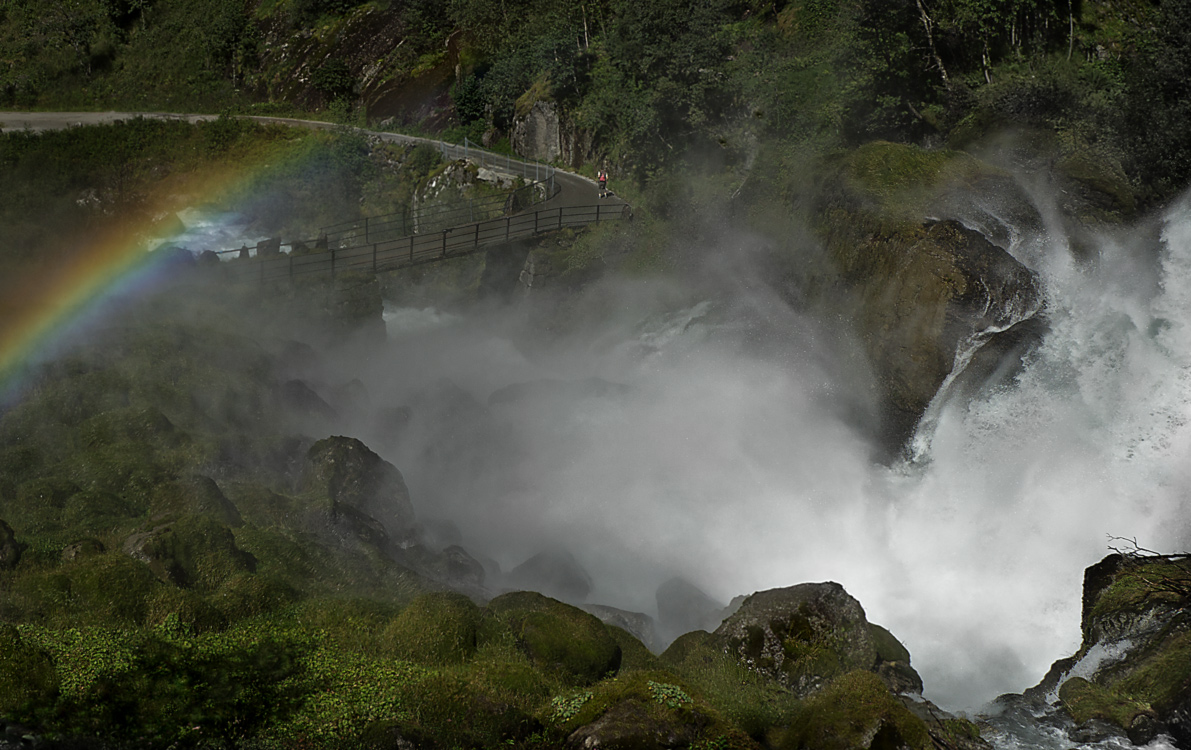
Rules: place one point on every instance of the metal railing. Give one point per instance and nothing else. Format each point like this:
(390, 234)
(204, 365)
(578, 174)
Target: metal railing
(433, 218)
(417, 220)
(414, 249)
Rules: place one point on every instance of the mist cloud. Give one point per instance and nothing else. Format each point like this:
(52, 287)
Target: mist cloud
(720, 436)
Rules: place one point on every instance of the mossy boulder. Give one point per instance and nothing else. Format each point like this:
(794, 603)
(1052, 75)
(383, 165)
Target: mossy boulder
(1085, 701)
(28, 681)
(755, 701)
(856, 712)
(193, 552)
(195, 495)
(98, 511)
(806, 635)
(109, 588)
(346, 476)
(645, 709)
(559, 638)
(435, 628)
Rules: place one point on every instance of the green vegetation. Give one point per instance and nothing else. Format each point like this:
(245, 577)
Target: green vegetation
(654, 85)
(1085, 701)
(1144, 583)
(854, 707)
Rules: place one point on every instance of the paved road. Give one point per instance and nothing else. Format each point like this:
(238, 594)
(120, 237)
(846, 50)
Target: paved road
(574, 189)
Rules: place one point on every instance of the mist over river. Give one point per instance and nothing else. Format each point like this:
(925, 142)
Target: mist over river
(727, 443)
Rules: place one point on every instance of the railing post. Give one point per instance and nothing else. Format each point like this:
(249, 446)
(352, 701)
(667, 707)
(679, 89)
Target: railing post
(477, 240)
(507, 220)
(411, 248)
(597, 213)
(374, 257)
(367, 238)
(444, 242)
(535, 221)
(560, 217)
(332, 263)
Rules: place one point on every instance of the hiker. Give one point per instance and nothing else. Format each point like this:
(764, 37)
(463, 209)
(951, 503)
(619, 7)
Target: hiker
(602, 178)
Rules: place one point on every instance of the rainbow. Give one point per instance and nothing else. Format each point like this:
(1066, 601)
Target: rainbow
(47, 308)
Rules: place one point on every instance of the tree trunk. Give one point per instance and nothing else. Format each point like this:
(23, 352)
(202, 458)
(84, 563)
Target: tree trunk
(928, 26)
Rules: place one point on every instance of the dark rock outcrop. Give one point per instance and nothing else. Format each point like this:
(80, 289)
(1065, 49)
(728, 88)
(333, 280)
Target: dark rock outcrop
(555, 574)
(350, 479)
(10, 548)
(1133, 669)
(683, 607)
(917, 283)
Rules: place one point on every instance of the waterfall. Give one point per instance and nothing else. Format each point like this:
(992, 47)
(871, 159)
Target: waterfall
(738, 454)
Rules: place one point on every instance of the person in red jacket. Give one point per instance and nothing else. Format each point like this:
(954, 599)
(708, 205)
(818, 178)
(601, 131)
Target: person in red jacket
(602, 178)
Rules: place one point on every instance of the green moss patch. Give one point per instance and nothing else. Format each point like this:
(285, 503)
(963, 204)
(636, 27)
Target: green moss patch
(856, 711)
(558, 637)
(1085, 701)
(753, 701)
(900, 180)
(1139, 586)
(28, 682)
(1163, 678)
(437, 628)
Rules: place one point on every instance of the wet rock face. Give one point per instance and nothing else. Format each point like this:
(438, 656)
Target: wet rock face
(637, 624)
(916, 260)
(353, 480)
(1132, 673)
(920, 295)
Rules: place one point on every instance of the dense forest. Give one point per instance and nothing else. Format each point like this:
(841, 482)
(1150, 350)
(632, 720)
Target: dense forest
(643, 85)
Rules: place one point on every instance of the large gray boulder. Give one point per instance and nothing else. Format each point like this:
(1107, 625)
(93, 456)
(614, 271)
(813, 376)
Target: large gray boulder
(346, 477)
(806, 635)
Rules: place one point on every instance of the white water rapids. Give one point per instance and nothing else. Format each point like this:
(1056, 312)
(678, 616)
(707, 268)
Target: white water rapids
(732, 467)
